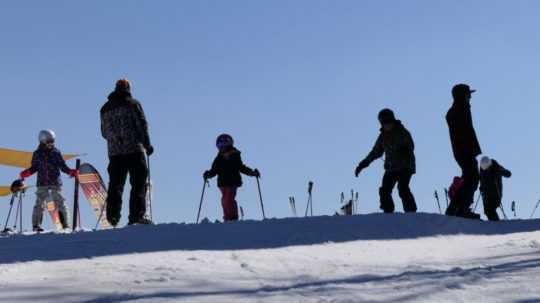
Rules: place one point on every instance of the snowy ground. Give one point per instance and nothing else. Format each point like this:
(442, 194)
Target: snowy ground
(366, 258)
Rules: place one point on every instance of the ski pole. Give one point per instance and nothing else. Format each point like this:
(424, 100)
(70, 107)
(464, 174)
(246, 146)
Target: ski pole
(477, 200)
(21, 195)
(502, 210)
(260, 197)
(446, 196)
(202, 198)
(513, 208)
(309, 201)
(534, 210)
(9, 212)
(17, 211)
(438, 203)
(76, 221)
(149, 187)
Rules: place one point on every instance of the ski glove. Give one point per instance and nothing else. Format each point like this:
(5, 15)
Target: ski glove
(73, 173)
(25, 174)
(359, 168)
(207, 175)
(149, 150)
(256, 173)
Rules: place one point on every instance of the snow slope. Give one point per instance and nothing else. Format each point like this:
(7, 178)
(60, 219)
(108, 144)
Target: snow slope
(365, 258)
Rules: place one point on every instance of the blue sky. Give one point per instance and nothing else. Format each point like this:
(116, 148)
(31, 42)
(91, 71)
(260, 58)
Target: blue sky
(297, 83)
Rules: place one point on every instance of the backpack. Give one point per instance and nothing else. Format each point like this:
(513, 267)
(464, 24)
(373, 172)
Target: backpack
(457, 184)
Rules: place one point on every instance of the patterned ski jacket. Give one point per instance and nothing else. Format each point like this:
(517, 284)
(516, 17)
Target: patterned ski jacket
(228, 166)
(397, 146)
(124, 125)
(48, 163)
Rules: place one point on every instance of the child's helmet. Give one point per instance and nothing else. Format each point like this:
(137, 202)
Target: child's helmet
(224, 141)
(46, 136)
(17, 186)
(485, 163)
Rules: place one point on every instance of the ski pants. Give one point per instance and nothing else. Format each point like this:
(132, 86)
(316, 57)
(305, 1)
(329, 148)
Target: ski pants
(228, 202)
(403, 179)
(491, 203)
(45, 194)
(119, 168)
(471, 178)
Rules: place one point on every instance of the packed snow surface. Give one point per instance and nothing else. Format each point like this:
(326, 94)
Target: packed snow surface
(364, 258)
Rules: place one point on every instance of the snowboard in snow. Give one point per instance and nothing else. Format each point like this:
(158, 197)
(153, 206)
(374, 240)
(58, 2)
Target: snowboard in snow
(95, 192)
(55, 215)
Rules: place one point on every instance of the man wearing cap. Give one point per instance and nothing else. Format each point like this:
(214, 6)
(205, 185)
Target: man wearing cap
(124, 126)
(396, 144)
(466, 148)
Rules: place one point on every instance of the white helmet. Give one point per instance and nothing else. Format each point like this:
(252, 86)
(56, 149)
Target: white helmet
(485, 163)
(46, 136)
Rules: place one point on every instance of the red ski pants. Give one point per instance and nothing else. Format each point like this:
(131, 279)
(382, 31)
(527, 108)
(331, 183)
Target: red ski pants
(228, 202)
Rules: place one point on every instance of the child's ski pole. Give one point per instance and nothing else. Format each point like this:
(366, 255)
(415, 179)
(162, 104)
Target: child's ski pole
(202, 198)
(260, 197)
(9, 213)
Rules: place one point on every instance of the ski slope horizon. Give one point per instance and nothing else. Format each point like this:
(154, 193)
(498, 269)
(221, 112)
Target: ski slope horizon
(362, 258)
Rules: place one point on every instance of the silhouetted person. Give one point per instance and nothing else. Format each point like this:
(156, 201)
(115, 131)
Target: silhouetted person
(491, 186)
(396, 144)
(466, 148)
(124, 126)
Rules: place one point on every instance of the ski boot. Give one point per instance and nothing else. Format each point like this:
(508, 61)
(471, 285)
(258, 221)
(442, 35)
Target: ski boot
(37, 229)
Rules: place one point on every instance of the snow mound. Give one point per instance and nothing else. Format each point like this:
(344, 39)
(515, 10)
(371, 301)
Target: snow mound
(267, 234)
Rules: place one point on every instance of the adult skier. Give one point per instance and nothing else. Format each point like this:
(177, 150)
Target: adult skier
(491, 187)
(47, 161)
(124, 126)
(227, 166)
(465, 148)
(397, 145)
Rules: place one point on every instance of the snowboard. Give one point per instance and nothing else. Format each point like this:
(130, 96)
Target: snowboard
(55, 215)
(95, 191)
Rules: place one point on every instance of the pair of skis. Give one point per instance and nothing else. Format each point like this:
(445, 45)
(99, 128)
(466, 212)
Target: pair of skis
(309, 204)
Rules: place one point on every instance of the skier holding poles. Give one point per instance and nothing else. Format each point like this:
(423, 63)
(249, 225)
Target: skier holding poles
(491, 187)
(396, 143)
(124, 126)
(47, 161)
(227, 166)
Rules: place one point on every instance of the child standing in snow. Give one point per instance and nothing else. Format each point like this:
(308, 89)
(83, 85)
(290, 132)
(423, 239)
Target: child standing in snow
(491, 187)
(227, 166)
(47, 161)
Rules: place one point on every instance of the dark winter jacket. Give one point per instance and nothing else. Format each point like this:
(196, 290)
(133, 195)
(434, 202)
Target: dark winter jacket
(397, 146)
(124, 125)
(228, 166)
(462, 134)
(491, 185)
(48, 163)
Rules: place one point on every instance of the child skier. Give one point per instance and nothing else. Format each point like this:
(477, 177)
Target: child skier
(491, 187)
(227, 166)
(47, 161)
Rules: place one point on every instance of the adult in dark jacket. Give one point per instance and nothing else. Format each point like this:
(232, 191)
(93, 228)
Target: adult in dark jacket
(227, 166)
(124, 126)
(396, 144)
(466, 148)
(491, 186)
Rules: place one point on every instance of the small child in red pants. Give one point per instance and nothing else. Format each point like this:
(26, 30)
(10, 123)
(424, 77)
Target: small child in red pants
(227, 166)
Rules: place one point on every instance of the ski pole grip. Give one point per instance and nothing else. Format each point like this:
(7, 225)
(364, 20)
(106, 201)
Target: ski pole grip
(310, 187)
